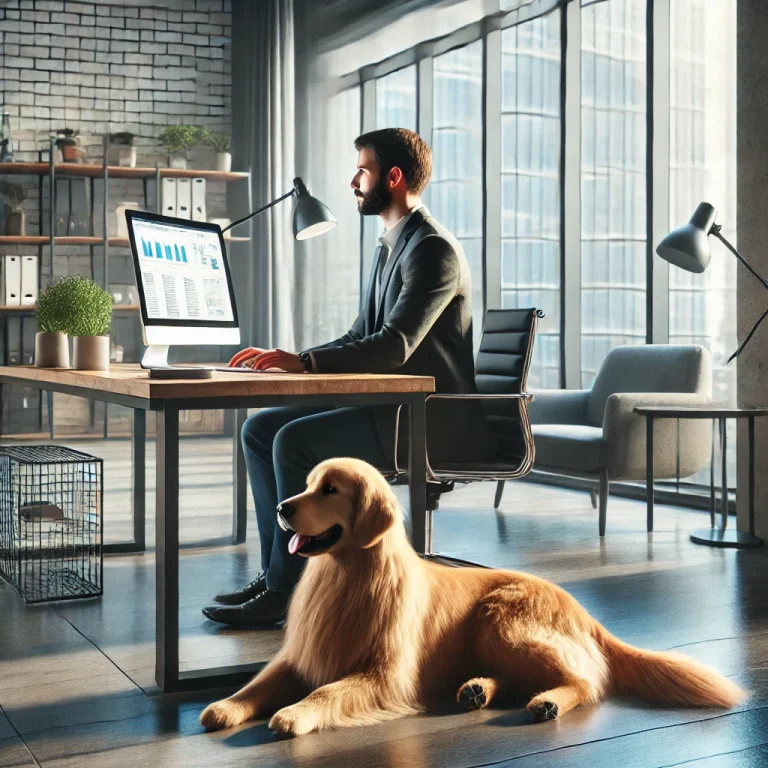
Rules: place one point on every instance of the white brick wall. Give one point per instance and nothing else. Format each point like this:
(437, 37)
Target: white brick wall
(109, 66)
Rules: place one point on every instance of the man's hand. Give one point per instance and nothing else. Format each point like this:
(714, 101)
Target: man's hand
(277, 358)
(245, 357)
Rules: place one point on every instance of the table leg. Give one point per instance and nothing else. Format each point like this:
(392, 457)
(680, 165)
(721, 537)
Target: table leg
(167, 547)
(649, 471)
(751, 427)
(712, 480)
(240, 481)
(417, 473)
(139, 473)
(723, 475)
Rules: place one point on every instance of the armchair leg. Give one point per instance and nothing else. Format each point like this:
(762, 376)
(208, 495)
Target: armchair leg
(604, 485)
(593, 498)
(499, 491)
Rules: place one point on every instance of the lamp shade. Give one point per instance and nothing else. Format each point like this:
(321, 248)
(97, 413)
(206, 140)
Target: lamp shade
(688, 246)
(310, 216)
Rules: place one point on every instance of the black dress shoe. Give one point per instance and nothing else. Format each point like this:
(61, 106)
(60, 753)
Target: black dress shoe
(265, 609)
(248, 592)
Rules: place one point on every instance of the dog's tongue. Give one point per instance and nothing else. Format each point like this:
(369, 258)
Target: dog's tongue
(298, 540)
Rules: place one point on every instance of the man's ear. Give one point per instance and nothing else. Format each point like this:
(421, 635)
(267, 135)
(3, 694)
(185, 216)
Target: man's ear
(395, 176)
(377, 512)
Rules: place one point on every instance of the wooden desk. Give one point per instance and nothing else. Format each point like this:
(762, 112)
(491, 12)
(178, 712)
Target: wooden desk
(130, 386)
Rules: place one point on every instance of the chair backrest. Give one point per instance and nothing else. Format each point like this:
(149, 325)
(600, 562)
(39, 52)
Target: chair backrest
(650, 368)
(501, 368)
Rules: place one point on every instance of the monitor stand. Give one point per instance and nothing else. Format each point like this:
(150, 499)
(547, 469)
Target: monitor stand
(156, 361)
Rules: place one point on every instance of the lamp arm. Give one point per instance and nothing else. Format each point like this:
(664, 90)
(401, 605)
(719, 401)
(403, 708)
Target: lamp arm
(716, 232)
(749, 335)
(256, 213)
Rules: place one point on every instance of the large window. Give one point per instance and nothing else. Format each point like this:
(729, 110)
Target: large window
(456, 192)
(530, 170)
(396, 99)
(613, 178)
(702, 145)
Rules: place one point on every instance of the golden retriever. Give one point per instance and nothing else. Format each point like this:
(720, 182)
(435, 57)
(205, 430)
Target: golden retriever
(374, 632)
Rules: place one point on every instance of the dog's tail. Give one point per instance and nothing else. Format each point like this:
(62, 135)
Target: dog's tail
(666, 678)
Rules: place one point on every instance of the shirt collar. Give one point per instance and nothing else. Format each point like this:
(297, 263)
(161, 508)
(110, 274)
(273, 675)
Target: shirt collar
(391, 236)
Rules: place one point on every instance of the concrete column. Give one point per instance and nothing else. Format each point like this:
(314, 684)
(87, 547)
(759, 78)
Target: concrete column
(752, 194)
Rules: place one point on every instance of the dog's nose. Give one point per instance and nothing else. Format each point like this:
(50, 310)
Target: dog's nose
(286, 509)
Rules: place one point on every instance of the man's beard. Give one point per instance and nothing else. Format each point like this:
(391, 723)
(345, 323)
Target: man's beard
(374, 202)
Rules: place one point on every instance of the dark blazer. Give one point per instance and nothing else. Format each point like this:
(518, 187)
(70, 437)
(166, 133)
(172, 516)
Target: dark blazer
(422, 326)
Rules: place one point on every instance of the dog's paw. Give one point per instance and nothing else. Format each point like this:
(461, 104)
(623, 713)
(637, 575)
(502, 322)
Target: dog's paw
(292, 721)
(472, 696)
(544, 710)
(224, 714)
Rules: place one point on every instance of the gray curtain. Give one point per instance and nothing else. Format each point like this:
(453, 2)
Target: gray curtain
(263, 130)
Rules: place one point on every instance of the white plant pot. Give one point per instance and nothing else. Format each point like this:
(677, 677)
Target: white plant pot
(91, 353)
(224, 161)
(51, 350)
(177, 160)
(58, 156)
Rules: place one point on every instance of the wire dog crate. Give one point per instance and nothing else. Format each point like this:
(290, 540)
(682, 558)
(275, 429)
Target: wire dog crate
(51, 522)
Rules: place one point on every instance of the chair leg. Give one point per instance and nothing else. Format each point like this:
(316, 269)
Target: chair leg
(604, 486)
(593, 494)
(499, 491)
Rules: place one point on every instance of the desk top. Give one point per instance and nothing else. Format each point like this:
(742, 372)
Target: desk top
(708, 411)
(131, 381)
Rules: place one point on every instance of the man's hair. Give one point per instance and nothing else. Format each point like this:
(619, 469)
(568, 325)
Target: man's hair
(401, 148)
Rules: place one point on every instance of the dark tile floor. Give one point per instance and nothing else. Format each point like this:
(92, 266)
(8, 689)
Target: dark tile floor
(76, 679)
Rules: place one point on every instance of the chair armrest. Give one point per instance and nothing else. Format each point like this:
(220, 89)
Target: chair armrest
(523, 397)
(560, 406)
(624, 431)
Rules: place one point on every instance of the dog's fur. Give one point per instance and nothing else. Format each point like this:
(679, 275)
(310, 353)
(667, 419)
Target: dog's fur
(374, 632)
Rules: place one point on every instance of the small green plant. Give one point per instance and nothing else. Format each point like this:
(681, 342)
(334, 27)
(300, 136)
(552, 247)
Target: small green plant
(179, 138)
(221, 142)
(14, 193)
(75, 305)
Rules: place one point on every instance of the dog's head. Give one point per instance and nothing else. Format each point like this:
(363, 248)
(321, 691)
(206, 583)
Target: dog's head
(347, 504)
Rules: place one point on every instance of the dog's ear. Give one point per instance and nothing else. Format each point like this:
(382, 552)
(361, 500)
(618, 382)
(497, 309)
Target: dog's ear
(376, 511)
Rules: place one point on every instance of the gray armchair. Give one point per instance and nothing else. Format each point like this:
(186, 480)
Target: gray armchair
(594, 433)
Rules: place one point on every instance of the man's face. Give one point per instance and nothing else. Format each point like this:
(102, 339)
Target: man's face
(370, 185)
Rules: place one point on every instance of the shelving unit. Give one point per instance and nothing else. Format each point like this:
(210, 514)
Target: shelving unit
(52, 171)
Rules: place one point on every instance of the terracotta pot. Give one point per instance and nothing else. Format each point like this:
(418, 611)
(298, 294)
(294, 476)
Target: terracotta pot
(224, 161)
(51, 350)
(91, 353)
(69, 152)
(16, 223)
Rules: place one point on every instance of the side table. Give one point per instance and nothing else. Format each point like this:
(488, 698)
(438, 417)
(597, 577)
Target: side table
(711, 537)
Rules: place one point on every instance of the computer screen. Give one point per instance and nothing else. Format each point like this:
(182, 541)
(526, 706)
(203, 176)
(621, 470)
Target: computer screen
(182, 271)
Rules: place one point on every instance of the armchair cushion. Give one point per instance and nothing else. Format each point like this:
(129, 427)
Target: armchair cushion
(559, 406)
(569, 446)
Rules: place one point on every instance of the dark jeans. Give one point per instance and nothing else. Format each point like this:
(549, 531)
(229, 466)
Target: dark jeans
(282, 446)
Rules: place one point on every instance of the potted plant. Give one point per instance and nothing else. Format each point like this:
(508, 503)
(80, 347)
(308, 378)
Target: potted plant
(121, 147)
(68, 143)
(51, 345)
(178, 140)
(16, 221)
(222, 143)
(89, 316)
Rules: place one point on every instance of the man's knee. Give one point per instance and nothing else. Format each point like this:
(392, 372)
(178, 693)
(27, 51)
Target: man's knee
(291, 442)
(260, 428)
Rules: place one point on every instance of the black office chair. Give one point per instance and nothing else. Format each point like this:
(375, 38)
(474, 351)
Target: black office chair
(501, 375)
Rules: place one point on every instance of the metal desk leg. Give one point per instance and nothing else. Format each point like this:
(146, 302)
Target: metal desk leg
(649, 471)
(417, 473)
(712, 480)
(139, 489)
(751, 427)
(240, 495)
(167, 534)
(139, 472)
(723, 476)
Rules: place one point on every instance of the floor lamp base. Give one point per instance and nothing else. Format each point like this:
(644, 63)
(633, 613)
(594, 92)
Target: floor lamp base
(713, 537)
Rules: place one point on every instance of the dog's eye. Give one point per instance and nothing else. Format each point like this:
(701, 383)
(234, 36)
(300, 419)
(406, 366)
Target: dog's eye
(328, 488)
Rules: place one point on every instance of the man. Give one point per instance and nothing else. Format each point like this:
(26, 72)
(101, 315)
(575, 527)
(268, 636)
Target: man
(416, 318)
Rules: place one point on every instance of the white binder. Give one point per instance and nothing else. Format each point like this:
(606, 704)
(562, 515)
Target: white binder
(184, 198)
(169, 197)
(198, 199)
(28, 280)
(12, 280)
